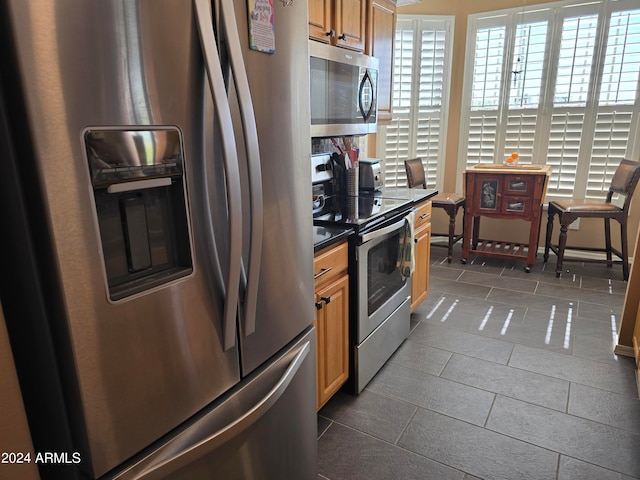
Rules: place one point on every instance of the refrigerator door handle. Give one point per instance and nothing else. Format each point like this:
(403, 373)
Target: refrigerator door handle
(192, 450)
(231, 167)
(254, 167)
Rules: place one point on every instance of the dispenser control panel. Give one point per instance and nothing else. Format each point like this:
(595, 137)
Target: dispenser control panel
(129, 155)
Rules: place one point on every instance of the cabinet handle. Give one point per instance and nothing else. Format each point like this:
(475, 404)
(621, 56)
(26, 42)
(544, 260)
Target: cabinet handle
(424, 215)
(331, 33)
(322, 299)
(342, 37)
(322, 272)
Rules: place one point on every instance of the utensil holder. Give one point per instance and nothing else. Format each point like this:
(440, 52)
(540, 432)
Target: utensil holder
(352, 181)
(351, 210)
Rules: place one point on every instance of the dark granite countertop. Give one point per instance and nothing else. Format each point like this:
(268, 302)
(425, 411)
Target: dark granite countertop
(416, 195)
(325, 236)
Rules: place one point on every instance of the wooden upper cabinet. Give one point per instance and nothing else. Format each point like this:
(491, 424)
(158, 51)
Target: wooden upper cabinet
(321, 20)
(381, 28)
(339, 22)
(350, 21)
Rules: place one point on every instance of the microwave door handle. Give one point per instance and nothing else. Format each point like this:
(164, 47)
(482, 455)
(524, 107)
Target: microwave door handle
(254, 167)
(231, 167)
(365, 78)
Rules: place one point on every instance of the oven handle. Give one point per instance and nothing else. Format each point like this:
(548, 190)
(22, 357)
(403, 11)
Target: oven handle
(365, 237)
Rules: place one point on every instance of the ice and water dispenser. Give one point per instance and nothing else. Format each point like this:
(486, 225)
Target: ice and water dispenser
(139, 191)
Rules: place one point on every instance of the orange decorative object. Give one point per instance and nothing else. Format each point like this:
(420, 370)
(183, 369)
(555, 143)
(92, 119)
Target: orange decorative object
(512, 160)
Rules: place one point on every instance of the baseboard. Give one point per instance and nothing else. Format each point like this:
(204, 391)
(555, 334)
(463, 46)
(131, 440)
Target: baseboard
(568, 254)
(624, 350)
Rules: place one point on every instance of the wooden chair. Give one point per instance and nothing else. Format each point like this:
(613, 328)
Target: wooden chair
(449, 202)
(623, 183)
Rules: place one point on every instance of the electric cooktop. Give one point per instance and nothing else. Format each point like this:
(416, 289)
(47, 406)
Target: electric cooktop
(362, 211)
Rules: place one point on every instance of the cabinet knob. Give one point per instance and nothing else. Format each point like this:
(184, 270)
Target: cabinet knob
(331, 33)
(319, 305)
(342, 37)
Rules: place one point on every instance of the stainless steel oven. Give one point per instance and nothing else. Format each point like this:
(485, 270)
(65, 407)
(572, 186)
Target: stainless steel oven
(382, 297)
(379, 296)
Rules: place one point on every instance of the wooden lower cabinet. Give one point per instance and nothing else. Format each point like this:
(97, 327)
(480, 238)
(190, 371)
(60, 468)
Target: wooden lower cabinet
(422, 253)
(331, 321)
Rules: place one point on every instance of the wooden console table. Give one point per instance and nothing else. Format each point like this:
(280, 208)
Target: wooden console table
(505, 192)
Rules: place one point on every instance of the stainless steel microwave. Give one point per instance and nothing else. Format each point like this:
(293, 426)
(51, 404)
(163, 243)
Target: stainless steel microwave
(344, 89)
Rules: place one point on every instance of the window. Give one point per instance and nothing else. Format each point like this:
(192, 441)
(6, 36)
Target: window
(558, 83)
(422, 66)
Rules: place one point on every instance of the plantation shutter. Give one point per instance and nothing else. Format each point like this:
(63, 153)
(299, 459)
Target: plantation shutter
(485, 94)
(567, 91)
(577, 46)
(617, 96)
(398, 132)
(420, 83)
(525, 89)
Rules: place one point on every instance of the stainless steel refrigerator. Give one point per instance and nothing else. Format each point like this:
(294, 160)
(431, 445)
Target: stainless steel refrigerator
(157, 243)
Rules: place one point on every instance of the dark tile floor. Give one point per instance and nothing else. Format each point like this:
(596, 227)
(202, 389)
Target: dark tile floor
(505, 375)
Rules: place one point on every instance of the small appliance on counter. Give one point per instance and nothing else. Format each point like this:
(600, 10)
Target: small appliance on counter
(371, 178)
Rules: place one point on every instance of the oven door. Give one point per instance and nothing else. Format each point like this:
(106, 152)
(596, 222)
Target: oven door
(381, 288)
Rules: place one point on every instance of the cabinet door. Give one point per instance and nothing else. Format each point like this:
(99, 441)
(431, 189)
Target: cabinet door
(381, 25)
(422, 253)
(333, 338)
(350, 16)
(488, 194)
(320, 20)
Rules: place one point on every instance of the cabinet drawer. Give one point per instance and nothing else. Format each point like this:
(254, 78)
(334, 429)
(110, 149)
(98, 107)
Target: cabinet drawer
(423, 214)
(518, 184)
(516, 206)
(330, 262)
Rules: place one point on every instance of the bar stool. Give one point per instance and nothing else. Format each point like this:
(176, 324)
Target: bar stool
(623, 183)
(449, 202)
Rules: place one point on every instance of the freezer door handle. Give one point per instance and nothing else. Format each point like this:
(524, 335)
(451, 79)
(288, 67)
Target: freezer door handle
(231, 167)
(254, 167)
(188, 448)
